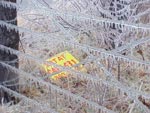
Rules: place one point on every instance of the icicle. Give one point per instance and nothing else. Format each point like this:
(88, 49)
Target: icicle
(94, 79)
(8, 4)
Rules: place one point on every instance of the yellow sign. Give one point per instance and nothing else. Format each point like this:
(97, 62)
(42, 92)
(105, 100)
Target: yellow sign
(62, 59)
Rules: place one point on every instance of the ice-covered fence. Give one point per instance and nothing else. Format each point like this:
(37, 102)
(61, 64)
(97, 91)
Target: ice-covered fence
(92, 50)
(101, 81)
(82, 75)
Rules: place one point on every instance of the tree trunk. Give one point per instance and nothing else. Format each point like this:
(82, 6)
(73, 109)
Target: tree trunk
(10, 39)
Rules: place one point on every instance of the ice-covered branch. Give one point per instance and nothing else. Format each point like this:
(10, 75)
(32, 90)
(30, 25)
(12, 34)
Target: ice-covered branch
(34, 102)
(80, 74)
(102, 53)
(142, 13)
(56, 88)
(8, 4)
(110, 82)
(139, 1)
(132, 44)
(129, 91)
(104, 22)
(108, 54)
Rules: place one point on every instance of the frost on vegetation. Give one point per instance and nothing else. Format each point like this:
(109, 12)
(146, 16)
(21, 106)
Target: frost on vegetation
(109, 38)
